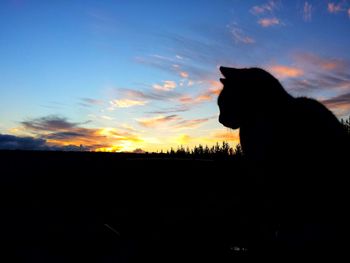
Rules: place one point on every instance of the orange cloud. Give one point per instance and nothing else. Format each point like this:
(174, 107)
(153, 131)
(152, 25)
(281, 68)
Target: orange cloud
(208, 95)
(268, 22)
(166, 86)
(126, 103)
(156, 121)
(58, 132)
(184, 74)
(286, 71)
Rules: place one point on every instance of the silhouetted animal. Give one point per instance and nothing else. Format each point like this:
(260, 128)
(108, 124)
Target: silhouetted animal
(273, 123)
(296, 146)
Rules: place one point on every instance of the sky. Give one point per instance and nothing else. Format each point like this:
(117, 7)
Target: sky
(133, 75)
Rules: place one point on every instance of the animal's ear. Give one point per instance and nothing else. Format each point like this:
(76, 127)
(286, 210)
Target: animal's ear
(228, 72)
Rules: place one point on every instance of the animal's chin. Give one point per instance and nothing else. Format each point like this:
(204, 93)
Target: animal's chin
(229, 123)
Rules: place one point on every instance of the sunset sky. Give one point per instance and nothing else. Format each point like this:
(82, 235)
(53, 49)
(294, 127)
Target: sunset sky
(119, 75)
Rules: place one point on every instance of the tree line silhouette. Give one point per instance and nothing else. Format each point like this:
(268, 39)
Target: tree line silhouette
(221, 150)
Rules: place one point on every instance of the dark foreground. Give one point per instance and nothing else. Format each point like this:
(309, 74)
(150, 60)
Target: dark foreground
(96, 207)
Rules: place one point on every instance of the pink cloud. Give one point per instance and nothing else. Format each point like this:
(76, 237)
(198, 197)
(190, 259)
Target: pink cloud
(269, 7)
(286, 71)
(239, 36)
(184, 74)
(334, 8)
(268, 22)
(327, 64)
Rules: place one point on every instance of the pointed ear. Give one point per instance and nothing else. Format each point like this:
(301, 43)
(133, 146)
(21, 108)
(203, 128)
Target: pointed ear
(228, 72)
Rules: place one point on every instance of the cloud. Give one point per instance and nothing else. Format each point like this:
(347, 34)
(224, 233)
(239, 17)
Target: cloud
(126, 103)
(166, 86)
(269, 7)
(178, 68)
(349, 12)
(307, 12)
(11, 142)
(157, 121)
(328, 64)
(286, 71)
(184, 74)
(334, 8)
(49, 123)
(205, 96)
(190, 124)
(321, 74)
(340, 104)
(268, 22)
(58, 132)
(149, 94)
(239, 35)
(88, 102)
(175, 109)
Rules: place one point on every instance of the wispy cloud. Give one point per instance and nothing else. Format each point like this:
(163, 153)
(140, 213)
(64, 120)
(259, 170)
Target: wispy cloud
(190, 124)
(125, 103)
(166, 86)
(157, 121)
(149, 94)
(334, 8)
(328, 64)
(266, 13)
(328, 78)
(208, 95)
(307, 12)
(239, 35)
(91, 102)
(175, 109)
(339, 104)
(268, 7)
(268, 22)
(283, 72)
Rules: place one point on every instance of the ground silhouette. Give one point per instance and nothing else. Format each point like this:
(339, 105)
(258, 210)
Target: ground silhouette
(297, 148)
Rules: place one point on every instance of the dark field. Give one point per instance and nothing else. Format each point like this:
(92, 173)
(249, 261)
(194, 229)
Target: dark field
(55, 207)
(103, 207)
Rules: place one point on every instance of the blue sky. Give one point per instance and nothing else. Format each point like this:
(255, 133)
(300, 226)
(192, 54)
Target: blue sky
(120, 75)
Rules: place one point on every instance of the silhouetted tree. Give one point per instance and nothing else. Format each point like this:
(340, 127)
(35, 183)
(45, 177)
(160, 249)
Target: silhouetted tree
(346, 124)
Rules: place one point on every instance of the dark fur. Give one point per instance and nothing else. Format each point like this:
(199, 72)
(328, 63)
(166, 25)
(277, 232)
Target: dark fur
(297, 147)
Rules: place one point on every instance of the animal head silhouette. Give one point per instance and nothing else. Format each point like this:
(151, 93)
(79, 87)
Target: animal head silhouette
(247, 92)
